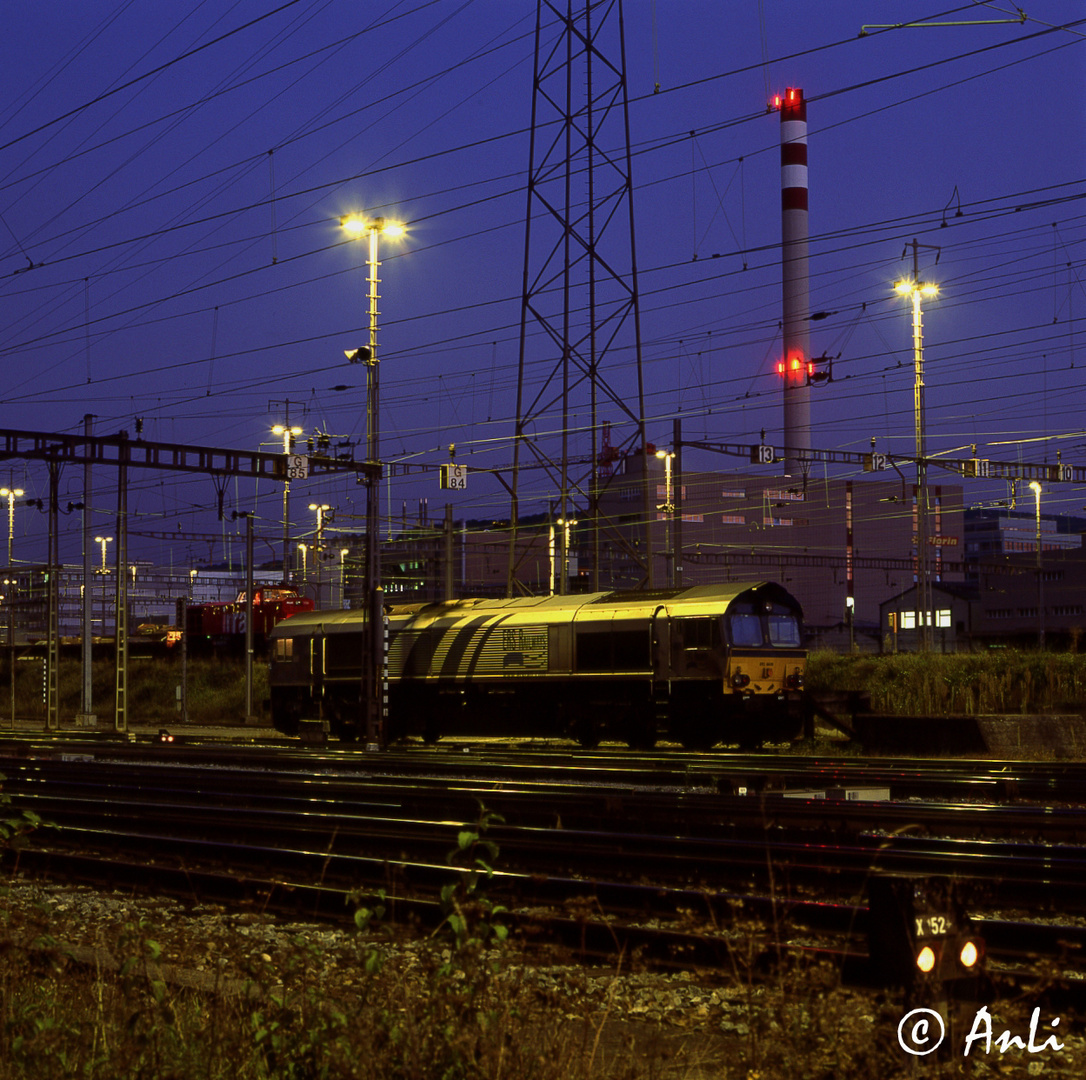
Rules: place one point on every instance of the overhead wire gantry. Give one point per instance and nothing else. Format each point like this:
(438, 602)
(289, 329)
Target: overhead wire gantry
(121, 452)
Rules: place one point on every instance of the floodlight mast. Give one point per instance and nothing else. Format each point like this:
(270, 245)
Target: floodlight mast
(915, 289)
(374, 658)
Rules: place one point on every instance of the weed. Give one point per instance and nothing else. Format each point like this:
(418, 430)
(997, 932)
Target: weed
(287, 1003)
(470, 914)
(1003, 681)
(215, 688)
(15, 825)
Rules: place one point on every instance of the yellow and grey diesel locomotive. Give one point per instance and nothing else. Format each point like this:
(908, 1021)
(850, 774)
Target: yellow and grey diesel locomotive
(700, 666)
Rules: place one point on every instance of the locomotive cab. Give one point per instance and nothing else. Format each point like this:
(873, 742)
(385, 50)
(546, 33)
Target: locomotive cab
(754, 649)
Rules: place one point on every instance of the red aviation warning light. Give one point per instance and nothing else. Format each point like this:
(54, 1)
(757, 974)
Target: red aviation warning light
(792, 98)
(794, 366)
(798, 371)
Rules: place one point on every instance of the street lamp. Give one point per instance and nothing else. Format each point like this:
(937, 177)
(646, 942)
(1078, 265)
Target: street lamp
(1035, 487)
(320, 509)
(11, 494)
(374, 228)
(289, 434)
(559, 555)
(915, 289)
(668, 507)
(10, 585)
(103, 540)
(343, 553)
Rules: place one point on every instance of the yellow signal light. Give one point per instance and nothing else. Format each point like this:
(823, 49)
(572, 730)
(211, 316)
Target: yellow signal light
(925, 959)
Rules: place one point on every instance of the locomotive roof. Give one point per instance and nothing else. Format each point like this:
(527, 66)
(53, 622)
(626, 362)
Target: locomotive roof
(696, 600)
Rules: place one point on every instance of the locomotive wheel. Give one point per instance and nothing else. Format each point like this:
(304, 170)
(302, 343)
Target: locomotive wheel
(641, 734)
(586, 732)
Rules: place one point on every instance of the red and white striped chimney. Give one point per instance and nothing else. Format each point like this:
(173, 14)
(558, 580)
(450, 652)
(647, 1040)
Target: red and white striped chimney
(794, 279)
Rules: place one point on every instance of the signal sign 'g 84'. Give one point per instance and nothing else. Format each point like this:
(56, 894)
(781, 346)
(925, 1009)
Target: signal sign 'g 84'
(454, 477)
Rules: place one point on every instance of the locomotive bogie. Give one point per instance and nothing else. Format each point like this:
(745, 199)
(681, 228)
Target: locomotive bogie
(701, 666)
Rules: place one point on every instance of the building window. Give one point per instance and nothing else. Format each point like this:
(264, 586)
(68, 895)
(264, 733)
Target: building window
(942, 619)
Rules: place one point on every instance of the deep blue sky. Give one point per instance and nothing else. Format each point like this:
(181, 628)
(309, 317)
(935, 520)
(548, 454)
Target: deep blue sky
(172, 178)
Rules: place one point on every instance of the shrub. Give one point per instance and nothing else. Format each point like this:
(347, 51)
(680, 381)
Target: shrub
(1003, 681)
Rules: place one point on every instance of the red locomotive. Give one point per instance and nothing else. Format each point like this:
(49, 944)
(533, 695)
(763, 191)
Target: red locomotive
(223, 622)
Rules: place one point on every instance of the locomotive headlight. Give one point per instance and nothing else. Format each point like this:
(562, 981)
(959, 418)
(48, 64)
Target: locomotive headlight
(969, 955)
(739, 680)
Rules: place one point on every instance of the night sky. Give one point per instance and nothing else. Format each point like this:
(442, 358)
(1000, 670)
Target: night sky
(172, 178)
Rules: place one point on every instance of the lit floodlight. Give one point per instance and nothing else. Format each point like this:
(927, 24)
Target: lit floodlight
(353, 224)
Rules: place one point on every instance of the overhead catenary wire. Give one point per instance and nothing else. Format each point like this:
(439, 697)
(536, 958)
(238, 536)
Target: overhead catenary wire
(488, 331)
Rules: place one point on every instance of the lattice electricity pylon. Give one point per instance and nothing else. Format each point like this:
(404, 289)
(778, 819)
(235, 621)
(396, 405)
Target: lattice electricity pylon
(580, 335)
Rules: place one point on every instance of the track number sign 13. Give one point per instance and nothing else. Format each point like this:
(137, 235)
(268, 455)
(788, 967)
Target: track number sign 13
(454, 477)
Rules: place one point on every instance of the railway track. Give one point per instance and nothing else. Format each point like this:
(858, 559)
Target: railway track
(906, 777)
(663, 849)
